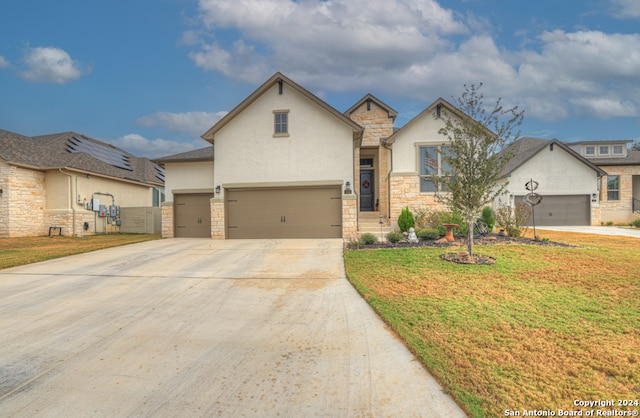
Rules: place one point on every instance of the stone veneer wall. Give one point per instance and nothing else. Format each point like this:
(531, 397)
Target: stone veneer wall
(25, 195)
(4, 200)
(405, 192)
(64, 219)
(349, 217)
(618, 211)
(167, 220)
(377, 124)
(217, 218)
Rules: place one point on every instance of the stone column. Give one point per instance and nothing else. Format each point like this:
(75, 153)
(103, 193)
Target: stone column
(217, 218)
(349, 217)
(167, 220)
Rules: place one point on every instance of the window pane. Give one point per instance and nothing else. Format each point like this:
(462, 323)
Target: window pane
(428, 161)
(591, 150)
(427, 185)
(281, 123)
(613, 187)
(445, 167)
(617, 149)
(604, 150)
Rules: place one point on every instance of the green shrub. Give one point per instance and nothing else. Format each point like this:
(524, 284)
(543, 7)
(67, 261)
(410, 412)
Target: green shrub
(368, 238)
(428, 233)
(514, 231)
(488, 217)
(636, 223)
(405, 220)
(394, 236)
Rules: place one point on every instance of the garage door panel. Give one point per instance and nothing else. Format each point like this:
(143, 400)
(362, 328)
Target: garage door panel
(192, 215)
(284, 213)
(565, 210)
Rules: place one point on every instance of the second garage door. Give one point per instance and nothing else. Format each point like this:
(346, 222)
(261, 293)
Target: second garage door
(310, 212)
(567, 210)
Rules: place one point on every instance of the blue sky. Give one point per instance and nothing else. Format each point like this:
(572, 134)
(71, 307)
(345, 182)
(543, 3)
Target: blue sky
(151, 76)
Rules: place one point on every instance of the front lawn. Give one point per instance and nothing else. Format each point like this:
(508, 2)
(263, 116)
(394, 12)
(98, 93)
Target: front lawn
(541, 328)
(26, 250)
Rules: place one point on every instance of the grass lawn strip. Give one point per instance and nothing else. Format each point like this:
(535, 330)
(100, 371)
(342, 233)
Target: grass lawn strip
(540, 328)
(20, 251)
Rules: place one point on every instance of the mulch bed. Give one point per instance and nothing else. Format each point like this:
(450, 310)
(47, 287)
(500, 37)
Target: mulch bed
(463, 257)
(490, 239)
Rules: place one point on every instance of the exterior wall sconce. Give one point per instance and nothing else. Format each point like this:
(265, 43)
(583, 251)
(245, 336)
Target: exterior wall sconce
(218, 189)
(0, 192)
(347, 188)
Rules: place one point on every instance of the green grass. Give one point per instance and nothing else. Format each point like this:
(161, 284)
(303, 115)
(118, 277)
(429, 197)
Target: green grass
(20, 251)
(538, 329)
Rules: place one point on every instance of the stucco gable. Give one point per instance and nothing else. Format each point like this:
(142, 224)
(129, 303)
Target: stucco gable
(283, 82)
(526, 148)
(433, 111)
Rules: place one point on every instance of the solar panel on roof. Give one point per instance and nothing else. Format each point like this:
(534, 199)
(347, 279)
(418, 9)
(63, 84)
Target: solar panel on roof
(101, 152)
(159, 173)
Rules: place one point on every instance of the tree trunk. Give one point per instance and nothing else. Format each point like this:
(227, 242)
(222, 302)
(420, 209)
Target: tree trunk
(470, 239)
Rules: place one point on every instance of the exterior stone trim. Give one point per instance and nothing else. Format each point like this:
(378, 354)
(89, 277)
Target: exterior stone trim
(167, 220)
(217, 218)
(349, 217)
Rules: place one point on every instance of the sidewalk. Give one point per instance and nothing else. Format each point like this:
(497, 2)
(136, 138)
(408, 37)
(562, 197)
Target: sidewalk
(624, 231)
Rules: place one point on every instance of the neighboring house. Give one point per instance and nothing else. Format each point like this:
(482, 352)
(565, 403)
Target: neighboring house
(55, 180)
(620, 188)
(289, 165)
(567, 182)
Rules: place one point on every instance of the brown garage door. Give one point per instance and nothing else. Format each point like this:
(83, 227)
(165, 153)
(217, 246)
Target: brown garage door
(567, 210)
(311, 212)
(193, 215)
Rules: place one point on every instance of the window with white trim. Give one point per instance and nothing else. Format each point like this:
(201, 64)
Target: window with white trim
(432, 163)
(604, 150)
(617, 150)
(590, 150)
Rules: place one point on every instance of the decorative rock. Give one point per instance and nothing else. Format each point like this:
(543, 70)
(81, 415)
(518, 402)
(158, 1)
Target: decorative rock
(412, 237)
(441, 241)
(489, 239)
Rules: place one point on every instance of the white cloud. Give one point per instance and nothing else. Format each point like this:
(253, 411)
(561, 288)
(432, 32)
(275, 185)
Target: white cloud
(420, 50)
(626, 9)
(50, 65)
(193, 123)
(153, 148)
(3, 62)
(347, 39)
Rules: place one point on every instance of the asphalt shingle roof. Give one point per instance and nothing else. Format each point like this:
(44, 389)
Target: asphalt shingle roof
(48, 152)
(202, 154)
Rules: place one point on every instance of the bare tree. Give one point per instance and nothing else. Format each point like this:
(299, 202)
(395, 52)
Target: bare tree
(475, 138)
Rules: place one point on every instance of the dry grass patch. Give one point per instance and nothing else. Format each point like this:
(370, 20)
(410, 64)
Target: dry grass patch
(21, 251)
(540, 328)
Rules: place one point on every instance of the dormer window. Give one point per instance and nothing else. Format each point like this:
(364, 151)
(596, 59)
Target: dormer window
(617, 150)
(281, 123)
(604, 150)
(590, 150)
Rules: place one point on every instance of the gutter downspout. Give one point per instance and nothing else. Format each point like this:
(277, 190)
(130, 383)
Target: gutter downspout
(73, 209)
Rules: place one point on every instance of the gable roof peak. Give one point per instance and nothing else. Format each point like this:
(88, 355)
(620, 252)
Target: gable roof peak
(277, 78)
(368, 98)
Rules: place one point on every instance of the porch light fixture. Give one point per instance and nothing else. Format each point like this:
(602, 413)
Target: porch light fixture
(347, 188)
(218, 189)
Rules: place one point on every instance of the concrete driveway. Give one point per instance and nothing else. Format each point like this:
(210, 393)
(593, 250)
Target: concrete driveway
(199, 328)
(622, 231)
